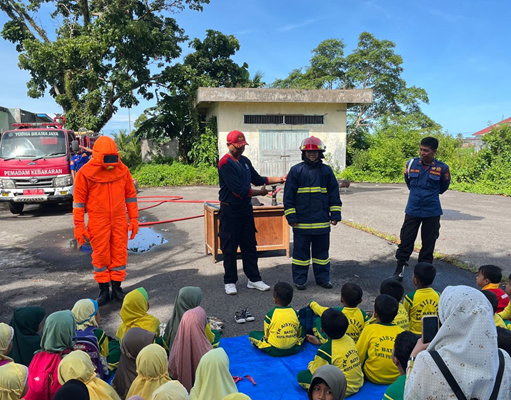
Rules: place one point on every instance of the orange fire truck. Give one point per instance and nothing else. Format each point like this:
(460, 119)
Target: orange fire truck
(35, 163)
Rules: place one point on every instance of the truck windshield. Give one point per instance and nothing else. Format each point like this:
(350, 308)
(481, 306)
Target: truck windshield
(31, 143)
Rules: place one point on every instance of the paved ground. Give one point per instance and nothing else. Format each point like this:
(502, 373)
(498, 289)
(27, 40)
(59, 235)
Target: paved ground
(39, 267)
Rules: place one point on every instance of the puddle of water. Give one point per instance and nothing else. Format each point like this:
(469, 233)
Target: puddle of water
(145, 240)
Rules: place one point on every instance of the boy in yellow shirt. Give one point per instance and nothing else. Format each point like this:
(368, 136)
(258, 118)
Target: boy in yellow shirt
(423, 301)
(494, 301)
(283, 334)
(339, 350)
(506, 314)
(395, 289)
(376, 342)
(351, 297)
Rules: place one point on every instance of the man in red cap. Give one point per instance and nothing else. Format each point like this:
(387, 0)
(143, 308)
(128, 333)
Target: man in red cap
(237, 227)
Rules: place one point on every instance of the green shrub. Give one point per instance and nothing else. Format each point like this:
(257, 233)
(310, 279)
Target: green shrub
(175, 174)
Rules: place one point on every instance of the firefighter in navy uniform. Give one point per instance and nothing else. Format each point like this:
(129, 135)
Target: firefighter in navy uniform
(427, 178)
(311, 203)
(236, 215)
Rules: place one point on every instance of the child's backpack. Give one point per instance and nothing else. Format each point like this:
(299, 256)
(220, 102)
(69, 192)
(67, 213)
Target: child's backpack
(43, 381)
(88, 342)
(307, 317)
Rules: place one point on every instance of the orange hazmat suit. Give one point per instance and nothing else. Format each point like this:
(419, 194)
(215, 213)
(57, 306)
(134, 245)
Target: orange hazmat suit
(104, 187)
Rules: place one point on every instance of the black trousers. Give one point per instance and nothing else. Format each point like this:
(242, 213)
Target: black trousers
(237, 228)
(302, 245)
(430, 228)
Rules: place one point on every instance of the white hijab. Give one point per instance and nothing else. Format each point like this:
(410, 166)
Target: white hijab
(467, 342)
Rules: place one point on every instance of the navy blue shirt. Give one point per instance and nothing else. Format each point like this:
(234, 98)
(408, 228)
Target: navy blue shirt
(235, 177)
(426, 184)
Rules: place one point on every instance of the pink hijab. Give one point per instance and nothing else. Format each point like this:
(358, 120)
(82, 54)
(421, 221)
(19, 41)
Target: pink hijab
(189, 346)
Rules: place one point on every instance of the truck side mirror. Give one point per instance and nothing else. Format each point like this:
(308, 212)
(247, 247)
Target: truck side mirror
(75, 146)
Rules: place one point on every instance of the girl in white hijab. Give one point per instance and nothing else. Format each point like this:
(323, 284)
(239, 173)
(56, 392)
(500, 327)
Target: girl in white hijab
(467, 343)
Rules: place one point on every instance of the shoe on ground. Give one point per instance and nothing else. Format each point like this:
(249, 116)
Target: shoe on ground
(230, 288)
(326, 285)
(260, 285)
(248, 317)
(399, 273)
(238, 317)
(300, 286)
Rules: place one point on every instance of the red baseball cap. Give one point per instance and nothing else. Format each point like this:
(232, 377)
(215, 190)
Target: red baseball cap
(237, 139)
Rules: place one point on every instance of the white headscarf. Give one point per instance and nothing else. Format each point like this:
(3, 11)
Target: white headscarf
(467, 343)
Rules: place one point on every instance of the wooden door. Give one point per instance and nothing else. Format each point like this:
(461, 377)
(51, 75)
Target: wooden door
(280, 150)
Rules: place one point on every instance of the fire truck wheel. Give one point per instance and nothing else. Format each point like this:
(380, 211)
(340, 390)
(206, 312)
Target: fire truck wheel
(16, 208)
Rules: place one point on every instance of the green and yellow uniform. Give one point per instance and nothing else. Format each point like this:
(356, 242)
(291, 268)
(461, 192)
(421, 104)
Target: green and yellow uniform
(283, 334)
(396, 391)
(375, 351)
(401, 319)
(341, 353)
(213, 336)
(357, 319)
(419, 303)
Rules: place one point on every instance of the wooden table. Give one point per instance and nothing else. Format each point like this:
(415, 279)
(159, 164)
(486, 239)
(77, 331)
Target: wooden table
(271, 225)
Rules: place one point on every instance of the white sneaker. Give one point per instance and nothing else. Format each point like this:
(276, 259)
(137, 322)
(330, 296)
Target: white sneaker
(230, 288)
(260, 285)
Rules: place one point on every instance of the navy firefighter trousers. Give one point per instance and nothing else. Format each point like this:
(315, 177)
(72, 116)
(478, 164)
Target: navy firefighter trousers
(302, 253)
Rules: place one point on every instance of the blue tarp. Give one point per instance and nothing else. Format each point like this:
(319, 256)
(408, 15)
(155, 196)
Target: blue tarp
(276, 377)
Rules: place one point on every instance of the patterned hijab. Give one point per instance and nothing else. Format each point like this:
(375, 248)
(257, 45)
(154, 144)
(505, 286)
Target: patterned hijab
(467, 343)
(333, 377)
(189, 346)
(78, 365)
(152, 368)
(27, 341)
(58, 332)
(213, 380)
(188, 297)
(13, 380)
(172, 390)
(133, 342)
(134, 313)
(85, 312)
(6, 336)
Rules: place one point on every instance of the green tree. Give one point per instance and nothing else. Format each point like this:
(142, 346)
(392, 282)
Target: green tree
(129, 147)
(103, 54)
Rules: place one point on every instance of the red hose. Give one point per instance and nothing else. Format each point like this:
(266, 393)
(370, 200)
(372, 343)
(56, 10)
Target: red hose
(169, 199)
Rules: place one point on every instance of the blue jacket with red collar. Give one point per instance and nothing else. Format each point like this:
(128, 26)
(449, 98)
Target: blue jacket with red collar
(425, 185)
(311, 198)
(235, 177)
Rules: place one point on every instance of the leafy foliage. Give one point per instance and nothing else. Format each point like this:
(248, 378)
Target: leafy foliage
(175, 174)
(204, 151)
(129, 147)
(102, 55)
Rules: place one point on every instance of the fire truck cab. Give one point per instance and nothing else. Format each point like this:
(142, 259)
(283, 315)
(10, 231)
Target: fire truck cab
(35, 163)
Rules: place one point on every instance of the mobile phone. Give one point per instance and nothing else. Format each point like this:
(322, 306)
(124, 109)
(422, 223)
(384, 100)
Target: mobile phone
(429, 327)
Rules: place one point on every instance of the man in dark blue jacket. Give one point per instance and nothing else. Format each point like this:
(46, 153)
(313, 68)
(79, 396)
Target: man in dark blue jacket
(427, 178)
(237, 227)
(311, 203)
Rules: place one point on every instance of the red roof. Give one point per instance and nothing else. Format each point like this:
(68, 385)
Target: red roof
(486, 130)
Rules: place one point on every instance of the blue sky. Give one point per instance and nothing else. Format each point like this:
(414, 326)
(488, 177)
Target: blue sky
(457, 50)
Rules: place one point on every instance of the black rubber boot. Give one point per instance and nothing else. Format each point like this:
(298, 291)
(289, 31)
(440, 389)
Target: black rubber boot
(104, 294)
(400, 271)
(117, 292)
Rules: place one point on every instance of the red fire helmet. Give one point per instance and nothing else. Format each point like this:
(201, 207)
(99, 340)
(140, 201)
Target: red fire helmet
(312, 143)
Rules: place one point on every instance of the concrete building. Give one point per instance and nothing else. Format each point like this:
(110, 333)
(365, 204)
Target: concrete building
(478, 136)
(275, 121)
(10, 116)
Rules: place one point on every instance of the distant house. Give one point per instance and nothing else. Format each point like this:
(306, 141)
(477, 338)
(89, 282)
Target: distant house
(479, 135)
(275, 121)
(10, 116)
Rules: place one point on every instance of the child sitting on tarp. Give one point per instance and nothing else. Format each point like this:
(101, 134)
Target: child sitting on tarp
(283, 334)
(377, 342)
(339, 350)
(403, 346)
(494, 301)
(351, 297)
(395, 289)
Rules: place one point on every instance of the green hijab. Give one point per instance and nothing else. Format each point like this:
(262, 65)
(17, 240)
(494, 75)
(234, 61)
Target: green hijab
(188, 297)
(27, 341)
(58, 332)
(333, 377)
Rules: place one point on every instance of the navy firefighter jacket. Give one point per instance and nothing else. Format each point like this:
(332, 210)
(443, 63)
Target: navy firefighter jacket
(235, 178)
(311, 198)
(426, 184)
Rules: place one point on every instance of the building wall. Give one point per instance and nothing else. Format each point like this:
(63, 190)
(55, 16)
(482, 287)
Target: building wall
(332, 132)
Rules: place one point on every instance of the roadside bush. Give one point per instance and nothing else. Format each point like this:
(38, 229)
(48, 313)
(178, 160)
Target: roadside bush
(175, 174)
